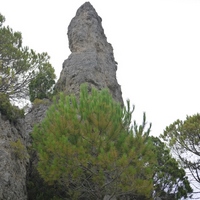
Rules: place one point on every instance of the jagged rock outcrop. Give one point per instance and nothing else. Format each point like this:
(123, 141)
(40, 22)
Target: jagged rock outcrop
(92, 60)
(35, 115)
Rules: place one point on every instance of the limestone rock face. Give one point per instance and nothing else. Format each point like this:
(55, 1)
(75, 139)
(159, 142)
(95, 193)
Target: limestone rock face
(13, 160)
(92, 60)
(35, 116)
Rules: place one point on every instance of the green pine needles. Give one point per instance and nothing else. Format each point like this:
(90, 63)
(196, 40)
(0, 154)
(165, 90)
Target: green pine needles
(87, 146)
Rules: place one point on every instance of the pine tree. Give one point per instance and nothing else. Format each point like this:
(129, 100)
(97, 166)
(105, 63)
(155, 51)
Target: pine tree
(41, 86)
(18, 64)
(89, 147)
(170, 180)
(183, 137)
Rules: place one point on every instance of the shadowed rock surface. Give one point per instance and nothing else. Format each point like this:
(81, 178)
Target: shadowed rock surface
(92, 60)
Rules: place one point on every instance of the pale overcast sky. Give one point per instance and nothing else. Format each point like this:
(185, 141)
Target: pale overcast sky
(156, 44)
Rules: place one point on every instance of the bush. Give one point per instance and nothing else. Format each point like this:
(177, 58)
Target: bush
(11, 112)
(19, 150)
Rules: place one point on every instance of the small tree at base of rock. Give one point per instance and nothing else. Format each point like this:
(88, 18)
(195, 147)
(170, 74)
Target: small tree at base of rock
(89, 147)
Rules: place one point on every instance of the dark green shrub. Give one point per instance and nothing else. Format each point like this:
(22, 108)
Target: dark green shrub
(11, 112)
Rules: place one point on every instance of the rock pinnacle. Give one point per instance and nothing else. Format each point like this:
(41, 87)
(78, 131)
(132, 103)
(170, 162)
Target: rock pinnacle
(92, 60)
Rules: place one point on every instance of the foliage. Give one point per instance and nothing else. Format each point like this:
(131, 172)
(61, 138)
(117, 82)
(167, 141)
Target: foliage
(170, 181)
(89, 148)
(37, 189)
(40, 87)
(11, 112)
(184, 139)
(19, 150)
(41, 101)
(18, 64)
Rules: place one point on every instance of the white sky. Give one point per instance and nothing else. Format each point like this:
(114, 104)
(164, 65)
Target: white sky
(156, 44)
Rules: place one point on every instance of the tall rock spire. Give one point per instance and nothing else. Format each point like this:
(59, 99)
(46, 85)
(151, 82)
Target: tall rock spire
(92, 60)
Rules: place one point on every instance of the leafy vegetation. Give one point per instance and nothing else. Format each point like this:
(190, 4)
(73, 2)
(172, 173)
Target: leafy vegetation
(11, 112)
(89, 148)
(19, 67)
(183, 137)
(23, 73)
(170, 180)
(41, 86)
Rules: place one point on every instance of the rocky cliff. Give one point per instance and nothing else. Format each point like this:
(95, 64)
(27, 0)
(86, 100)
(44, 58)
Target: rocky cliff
(91, 61)
(13, 160)
(15, 157)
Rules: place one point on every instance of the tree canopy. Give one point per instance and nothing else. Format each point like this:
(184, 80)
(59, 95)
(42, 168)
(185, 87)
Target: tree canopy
(89, 147)
(170, 180)
(18, 64)
(40, 86)
(183, 137)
